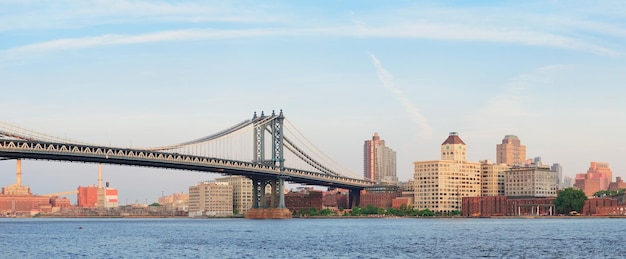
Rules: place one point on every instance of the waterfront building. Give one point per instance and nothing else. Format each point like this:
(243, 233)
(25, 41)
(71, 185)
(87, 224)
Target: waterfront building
(597, 178)
(439, 185)
(214, 199)
(176, 202)
(379, 161)
(530, 181)
(303, 199)
(511, 151)
(492, 178)
(617, 185)
(17, 200)
(242, 192)
(87, 196)
(95, 197)
(380, 197)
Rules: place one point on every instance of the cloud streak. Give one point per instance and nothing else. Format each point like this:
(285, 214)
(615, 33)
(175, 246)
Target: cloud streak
(387, 80)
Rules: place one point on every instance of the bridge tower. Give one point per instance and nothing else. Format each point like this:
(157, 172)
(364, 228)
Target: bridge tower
(276, 207)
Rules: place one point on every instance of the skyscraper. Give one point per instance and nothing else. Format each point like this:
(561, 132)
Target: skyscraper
(556, 167)
(379, 161)
(597, 178)
(439, 185)
(511, 152)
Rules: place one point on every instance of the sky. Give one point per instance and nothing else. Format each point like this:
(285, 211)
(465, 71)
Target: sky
(153, 73)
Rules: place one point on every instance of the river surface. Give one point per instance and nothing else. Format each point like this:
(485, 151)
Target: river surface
(313, 238)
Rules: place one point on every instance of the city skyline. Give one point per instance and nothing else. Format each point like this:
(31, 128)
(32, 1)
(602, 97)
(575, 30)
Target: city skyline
(148, 73)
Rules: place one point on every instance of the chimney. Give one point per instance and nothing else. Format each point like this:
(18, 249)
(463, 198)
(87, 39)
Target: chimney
(19, 172)
(99, 176)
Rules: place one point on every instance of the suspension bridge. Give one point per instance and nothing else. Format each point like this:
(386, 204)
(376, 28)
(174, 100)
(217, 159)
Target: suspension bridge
(267, 149)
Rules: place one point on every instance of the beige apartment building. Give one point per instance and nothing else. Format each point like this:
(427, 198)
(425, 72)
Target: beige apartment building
(530, 181)
(213, 199)
(439, 185)
(511, 151)
(242, 192)
(493, 178)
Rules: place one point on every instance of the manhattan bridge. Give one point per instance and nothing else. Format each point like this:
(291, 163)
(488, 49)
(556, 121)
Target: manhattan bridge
(267, 149)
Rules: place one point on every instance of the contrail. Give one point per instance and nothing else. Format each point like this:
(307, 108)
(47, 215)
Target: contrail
(387, 80)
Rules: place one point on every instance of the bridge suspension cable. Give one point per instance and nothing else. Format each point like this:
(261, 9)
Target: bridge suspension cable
(12, 131)
(312, 149)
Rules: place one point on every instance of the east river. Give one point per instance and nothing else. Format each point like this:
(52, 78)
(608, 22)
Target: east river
(313, 238)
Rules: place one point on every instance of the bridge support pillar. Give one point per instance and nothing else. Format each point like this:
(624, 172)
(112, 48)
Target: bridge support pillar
(260, 208)
(281, 193)
(354, 197)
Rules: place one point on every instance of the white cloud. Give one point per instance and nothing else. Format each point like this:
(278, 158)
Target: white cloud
(117, 39)
(387, 80)
(477, 33)
(24, 15)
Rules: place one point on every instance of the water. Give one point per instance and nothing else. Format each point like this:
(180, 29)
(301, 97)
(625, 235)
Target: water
(313, 238)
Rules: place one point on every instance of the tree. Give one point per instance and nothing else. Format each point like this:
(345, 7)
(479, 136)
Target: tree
(370, 210)
(155, 204)
(326, 212)
(569, 199)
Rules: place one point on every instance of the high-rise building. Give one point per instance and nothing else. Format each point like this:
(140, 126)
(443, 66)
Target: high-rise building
(530, 181)
(511, 151)
(379, 161)
(492, 179)
(439, 185)
(568, 181)
(214, 199)
(242, 192)
(558, 169)
(597, 178)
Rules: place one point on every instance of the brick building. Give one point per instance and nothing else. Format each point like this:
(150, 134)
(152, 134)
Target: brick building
(504, 206)
(597, 206)
(306, 199)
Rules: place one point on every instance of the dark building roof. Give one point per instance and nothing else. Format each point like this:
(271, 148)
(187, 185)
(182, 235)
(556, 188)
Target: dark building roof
(453, 138)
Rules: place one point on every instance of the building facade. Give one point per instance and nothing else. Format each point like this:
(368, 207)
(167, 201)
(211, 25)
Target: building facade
(617, 185)
(558, 169)
(439, 185)
(597, 178)
(379, 161)
(492, 178)
(511, 151)
(530, 181)
(94, 197)
(242, 192)
(212, 199)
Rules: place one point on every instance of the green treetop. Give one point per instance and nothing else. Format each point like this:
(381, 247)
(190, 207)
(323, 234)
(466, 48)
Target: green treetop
(570, 199)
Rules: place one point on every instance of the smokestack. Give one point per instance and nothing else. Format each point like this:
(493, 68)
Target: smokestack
(99, 176)
(19, 172)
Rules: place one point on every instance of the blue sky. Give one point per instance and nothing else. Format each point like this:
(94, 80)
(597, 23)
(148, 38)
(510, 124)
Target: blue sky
(154, 73)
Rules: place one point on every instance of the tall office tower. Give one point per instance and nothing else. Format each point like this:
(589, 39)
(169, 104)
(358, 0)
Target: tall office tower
(242, 192)
(597, 178)
(211, 199)
(492, 179)
(556, 167)
(379, 161)
(439, 185)
(568, 181)
(511, 152)
(603, 172)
